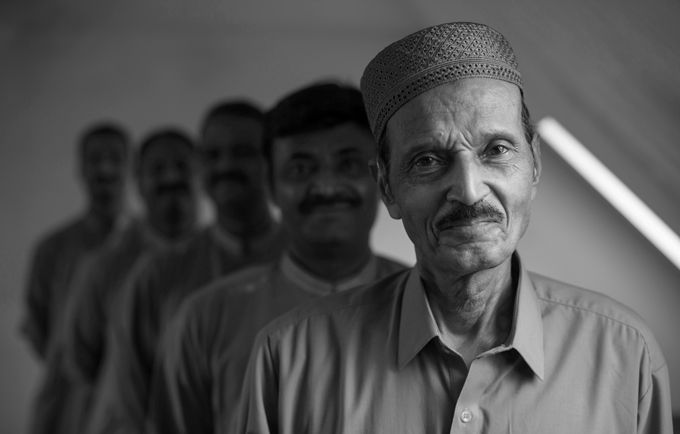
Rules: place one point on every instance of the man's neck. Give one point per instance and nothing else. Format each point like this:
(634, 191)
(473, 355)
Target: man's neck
(171, 232)
(100, 222)
(474, 312)
(245, 225)
(331, 263)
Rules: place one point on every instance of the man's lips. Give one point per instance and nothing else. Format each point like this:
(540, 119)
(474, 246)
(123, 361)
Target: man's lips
(329, 204)
(464, 223)
(331, 207)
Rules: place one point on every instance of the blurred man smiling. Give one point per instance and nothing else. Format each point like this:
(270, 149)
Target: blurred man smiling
(468, 341)
(319, 146)
(165, 171)
(61, 255)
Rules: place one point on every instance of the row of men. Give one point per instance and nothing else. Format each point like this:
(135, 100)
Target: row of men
(260, 325)
(110, 313)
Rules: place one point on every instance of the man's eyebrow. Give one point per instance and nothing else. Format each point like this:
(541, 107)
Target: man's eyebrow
(301, 155)
(421, 147)
(348, 151)
(499, 133)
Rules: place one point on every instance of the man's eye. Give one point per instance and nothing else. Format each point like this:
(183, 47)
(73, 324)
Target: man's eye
(425, 161)
(299, 170)
(498, 149)
(352, 166)
(211, 154)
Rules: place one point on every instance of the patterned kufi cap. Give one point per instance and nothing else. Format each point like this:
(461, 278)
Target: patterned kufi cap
(429, 58)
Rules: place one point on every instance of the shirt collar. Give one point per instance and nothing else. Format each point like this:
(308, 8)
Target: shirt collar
(417, 325)
(235, 245)
(316, 285)
(526, 336)
(155, 240)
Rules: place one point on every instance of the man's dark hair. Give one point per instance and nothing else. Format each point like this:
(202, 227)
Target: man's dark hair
(239, 108)
(158, 137)
(313, 108)
(383, 150)
(103, 129)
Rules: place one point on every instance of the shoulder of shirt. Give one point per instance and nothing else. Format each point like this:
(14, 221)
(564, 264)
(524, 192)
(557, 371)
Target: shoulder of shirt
(239, 283)
(220, 295)
(558, 294)
(373, 296)
(389, 264)
(171, 259)
(61, 233)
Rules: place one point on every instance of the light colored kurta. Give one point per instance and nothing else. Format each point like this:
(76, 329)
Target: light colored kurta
(371, 361)
(156, 291)
(58, 259)
(197, 387)
(96, 298)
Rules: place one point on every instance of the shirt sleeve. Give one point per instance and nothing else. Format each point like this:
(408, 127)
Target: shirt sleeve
(258, 413)
(85, 326)
(124, 386)
(181, 386)
(34, 326)
(655, 415)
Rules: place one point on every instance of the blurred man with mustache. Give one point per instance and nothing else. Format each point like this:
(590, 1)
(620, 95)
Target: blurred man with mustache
(165, 171)
(319, 145)
(245, 232)
(103, 165)
(468, 341)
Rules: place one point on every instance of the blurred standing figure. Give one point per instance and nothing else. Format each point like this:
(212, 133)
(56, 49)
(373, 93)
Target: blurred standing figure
(245, 232)
(103, 165)
(318, 145)
(468, 341)
(165, 171)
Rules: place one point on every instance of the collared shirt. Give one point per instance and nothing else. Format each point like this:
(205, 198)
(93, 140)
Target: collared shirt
(58, 259)
(157, 288)
(96, 296)
(197, 387)
(372, 360)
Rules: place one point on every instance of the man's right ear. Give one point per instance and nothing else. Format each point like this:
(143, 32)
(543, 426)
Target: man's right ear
(380, 174)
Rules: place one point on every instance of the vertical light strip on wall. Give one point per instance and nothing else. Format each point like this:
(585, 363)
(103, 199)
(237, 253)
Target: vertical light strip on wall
(609, 186)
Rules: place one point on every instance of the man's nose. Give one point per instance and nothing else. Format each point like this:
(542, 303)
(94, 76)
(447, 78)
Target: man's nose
(325, 182)
(173, 173)
(466, 180)
(109, 168)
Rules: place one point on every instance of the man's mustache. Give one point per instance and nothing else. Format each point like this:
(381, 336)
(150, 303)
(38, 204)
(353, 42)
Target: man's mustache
(103, 180)
(231, 176)
(466, 213)
(174, 188)
(314, 200)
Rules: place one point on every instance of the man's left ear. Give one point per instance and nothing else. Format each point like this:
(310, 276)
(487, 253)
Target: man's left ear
(536, 153)
(373, 168)
(380, 176)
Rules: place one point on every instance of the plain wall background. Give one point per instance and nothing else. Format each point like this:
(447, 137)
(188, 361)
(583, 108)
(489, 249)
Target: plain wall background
(608, 71)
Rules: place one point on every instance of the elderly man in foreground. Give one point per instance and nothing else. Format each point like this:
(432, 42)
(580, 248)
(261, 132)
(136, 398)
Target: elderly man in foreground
(468, 340)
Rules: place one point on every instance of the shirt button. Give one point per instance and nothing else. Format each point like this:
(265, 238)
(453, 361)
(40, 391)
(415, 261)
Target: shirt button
(465, 416)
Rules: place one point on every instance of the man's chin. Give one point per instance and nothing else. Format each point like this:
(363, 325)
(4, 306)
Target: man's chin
(234, 199)
(470, 257)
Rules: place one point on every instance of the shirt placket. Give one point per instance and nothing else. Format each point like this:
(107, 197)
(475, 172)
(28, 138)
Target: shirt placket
(468, 417)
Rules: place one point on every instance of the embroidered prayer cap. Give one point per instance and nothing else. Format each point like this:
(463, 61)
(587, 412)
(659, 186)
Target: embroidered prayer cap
(431, 57)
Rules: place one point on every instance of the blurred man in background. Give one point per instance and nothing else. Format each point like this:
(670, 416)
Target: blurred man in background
(245, 232)
(318, 146)
(166, 174)
(103, 165)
